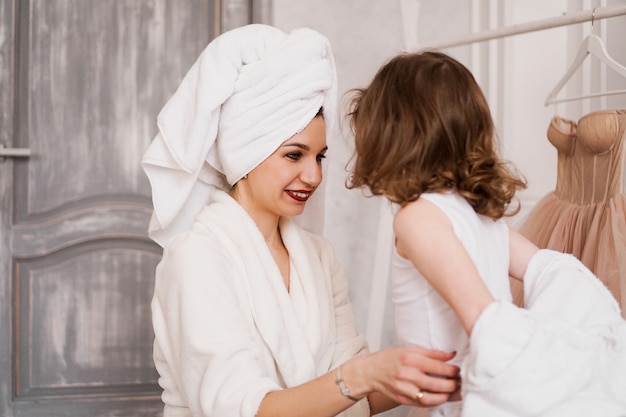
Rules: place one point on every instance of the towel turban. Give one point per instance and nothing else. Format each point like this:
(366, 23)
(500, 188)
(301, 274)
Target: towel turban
(251, 89)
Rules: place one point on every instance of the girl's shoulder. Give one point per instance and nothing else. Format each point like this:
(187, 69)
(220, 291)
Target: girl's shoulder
(421, 213)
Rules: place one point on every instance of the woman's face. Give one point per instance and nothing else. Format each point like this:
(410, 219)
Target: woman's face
(282, 184)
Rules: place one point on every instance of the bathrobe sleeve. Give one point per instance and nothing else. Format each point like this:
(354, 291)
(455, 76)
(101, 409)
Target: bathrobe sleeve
(349, 342)
(205, 364)
(563, 356)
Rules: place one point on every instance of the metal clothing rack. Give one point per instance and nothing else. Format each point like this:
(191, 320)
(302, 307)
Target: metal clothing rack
(549, 23)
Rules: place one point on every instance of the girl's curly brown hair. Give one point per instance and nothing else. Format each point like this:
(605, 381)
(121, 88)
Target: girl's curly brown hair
(424, 125)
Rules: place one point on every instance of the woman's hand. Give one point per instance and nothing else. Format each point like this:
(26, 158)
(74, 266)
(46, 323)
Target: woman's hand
(402, 375)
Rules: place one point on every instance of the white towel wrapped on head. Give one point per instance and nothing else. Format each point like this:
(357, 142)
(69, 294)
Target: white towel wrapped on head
(251, 89)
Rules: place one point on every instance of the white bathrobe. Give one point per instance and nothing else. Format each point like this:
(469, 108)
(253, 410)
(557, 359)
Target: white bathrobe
(563, 356)
(227, 330)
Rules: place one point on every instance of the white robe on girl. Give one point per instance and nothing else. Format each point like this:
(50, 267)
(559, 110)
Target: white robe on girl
(562, 356)
(232, 332)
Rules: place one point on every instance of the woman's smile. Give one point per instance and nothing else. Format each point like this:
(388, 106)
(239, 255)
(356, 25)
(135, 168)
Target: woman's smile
(299, 195)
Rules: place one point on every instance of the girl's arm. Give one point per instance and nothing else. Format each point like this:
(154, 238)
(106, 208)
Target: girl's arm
(426, 237)
(521, 250)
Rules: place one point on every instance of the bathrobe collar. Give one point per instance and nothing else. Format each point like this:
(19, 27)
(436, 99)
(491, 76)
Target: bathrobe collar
(301, 350)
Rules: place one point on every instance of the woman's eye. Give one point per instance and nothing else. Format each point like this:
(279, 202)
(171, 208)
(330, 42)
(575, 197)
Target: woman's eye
(294, 155)
(321, 157)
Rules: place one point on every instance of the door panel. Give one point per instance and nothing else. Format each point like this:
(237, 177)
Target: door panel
(81, 84)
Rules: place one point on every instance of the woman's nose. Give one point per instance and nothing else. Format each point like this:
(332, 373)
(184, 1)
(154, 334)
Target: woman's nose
(312, 172)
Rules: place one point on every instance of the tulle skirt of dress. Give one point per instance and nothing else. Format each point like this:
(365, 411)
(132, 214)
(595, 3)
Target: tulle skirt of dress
(594, 233)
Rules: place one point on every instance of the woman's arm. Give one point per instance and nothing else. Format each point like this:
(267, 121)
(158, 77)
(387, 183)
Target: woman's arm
(426, 237)
(388, 377)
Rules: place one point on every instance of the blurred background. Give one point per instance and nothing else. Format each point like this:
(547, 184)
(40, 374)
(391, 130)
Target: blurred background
(81, 83)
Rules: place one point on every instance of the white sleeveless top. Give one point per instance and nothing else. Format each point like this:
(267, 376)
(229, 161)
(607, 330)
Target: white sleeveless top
(422, 316)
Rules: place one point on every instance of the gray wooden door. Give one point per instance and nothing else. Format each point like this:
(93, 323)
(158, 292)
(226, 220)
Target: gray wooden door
(81, 83)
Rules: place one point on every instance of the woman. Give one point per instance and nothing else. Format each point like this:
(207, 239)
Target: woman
(425, 140)
(250, 310)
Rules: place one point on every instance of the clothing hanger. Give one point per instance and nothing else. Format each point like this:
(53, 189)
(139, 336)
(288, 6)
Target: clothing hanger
(593, 45)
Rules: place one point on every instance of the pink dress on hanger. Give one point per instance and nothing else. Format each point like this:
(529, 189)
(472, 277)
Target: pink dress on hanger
(586, 213)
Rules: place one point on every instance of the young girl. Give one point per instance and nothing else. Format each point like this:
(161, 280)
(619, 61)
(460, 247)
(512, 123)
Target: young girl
(425, 139)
